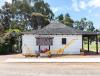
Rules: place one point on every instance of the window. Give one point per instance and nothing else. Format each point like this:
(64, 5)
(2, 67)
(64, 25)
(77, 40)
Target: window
(44, 41)
(63, 40)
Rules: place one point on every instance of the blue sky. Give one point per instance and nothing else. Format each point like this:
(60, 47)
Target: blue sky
(76, 8)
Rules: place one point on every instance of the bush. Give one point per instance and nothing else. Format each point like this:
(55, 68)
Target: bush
(4, 49)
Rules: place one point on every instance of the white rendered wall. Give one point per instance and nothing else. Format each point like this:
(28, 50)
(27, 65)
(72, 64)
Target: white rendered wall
(29, 44)
(73, 48)
(29, 41)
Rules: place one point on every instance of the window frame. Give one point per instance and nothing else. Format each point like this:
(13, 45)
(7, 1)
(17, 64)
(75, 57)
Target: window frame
(64, 41)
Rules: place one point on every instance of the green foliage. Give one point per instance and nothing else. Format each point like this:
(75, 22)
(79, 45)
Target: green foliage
(60, 18)
(8, 40)
(2, 40)
(15, 30)
(24, 7)
(66, 19)
(1, 28)
(3, 45)
(90, 27)
(5, 19)
(41, 7)
(84, 25)
(4, 48)
(39, 20)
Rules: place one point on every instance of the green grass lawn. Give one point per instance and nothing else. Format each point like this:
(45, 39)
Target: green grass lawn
(92, 46)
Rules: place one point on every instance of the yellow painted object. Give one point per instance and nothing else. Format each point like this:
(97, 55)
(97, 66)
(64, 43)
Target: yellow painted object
(48, 53)
(30, 54)
(61, 50)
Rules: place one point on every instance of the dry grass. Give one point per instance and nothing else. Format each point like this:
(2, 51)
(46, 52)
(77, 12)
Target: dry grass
(92, 46)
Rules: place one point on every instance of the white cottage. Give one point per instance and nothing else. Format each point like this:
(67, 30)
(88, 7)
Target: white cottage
(54, 36)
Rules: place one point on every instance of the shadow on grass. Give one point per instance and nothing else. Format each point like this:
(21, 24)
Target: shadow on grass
(91, 53)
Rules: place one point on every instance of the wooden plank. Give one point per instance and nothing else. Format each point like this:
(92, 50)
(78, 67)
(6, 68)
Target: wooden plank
(49, 47)
(82, 43)
(96, 44)
(88, 44)
(39, 48)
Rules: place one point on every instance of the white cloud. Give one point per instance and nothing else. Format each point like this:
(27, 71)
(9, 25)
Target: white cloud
(55, 9)
(78, 5)
(75, 5)
(9, 1)
(94, 3)
(60, 10)
(82, 5)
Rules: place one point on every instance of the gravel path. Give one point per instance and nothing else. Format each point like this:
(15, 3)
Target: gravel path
(49, 69)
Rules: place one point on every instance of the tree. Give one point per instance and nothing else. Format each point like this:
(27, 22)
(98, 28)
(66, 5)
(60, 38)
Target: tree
(25, 7)
(68, 21)
(6, 15)
(41, 7)
(8, 40)
(1, 28)
(60, 18)
(84, 25)
(90, 26)
(97, 30)
(21, 5)
(65, 19)
(38, 20)
(21, 13)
